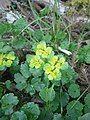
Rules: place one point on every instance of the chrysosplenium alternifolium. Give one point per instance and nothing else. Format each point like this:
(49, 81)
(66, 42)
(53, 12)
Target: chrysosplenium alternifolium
(6, 59)
(45, 59)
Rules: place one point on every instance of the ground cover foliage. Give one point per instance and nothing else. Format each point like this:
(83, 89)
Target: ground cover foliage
(39, 80)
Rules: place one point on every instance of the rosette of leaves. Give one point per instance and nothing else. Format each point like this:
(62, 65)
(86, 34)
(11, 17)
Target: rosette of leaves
(18, 115)
(87, 103)
(74, 110)
(8, 101)
(74, 90)
(31, 110)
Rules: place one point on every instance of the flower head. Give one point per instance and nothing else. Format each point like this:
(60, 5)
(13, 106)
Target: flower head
(10, 56)
(53, 60)
(7, 59)
(42, 50)
(48, 68)
(36, 62)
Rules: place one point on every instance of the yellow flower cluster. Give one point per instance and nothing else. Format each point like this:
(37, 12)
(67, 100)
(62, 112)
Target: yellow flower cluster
(36, 62)
(45, 58)
(52, 68)
(6, 60)
(42, 50)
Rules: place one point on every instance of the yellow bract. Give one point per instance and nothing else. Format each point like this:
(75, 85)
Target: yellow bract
(42, 50)
(48, 68)
(53, 60)
(36, 62)
(1, 59)
(10, 56)
(7, 59)
(52, 69)
(41, 45)
(54, 74)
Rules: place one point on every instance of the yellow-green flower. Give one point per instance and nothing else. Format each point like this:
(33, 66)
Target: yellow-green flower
(1, 59)
(8, 63)
(53, 60)
(7, 59)
(54, 74)
(48, 68)
(41, 45)
(10, 56)
(42, 50)
(36, 62)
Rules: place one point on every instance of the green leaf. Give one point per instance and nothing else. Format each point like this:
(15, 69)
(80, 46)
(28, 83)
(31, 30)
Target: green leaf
(47, 38)
(19, 115)
(30, 89)
(65, 66)
(19, 42)
(38, 35)
(60, 35)
(37, 84)
(19, 25)
(74, 90)
(1, 45)
(85, 117)
(73, 46)
(1, 91)
(5, 27)
(4, 118)
(47, 94)
(8, 84)
(64, 44)
(87, 108)
(25, 70)
(45, 115)
(31, 110)
(68, 75)
(64, 99)
(15, 62)
(20, 80)
(87, 99)
(84, 54)
(8, 101)
(74, 111)
(36, 72)
(57, 116)
(6, 49)
(53, 105)
(87, 103)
